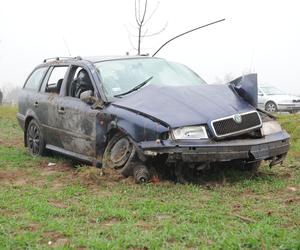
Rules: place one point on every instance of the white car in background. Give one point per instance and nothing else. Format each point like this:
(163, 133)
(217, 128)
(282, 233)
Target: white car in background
(273, 99)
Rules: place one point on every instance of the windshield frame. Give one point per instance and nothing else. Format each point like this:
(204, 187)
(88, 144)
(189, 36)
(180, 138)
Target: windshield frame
(111, 98)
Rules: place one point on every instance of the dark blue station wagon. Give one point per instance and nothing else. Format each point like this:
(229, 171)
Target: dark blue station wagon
(130, 113)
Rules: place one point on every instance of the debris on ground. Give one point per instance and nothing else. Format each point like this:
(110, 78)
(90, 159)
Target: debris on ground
(293, 189)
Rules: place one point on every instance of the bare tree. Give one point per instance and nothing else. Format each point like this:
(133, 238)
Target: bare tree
(142, 19)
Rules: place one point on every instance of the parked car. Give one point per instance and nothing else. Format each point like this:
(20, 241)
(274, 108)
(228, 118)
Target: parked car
(273, 99)
(130, 112)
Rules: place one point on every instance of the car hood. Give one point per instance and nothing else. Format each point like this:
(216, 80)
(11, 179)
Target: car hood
(185, 105)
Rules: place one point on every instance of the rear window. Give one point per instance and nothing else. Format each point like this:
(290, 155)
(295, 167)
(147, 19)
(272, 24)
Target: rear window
(35, 79)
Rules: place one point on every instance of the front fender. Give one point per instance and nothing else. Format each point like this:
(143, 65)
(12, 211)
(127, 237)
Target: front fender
(137, 126)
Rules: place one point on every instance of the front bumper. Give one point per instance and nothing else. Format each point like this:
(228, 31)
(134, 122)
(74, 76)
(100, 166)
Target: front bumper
(270, 147)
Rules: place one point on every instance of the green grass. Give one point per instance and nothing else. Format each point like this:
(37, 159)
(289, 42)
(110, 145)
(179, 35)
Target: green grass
(62, 207)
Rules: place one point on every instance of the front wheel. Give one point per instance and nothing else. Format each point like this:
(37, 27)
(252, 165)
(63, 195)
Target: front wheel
(271, 107)
(118, 152)
(35, 139)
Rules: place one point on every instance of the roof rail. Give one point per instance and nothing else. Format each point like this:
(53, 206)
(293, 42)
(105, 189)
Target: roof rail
(62, 57)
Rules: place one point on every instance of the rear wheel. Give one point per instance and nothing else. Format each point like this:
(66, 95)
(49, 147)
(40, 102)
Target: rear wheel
(35, 139)
(271, 107)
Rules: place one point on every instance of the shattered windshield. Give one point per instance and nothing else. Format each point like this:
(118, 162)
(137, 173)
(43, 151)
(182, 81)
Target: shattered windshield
(272, 91)
(123, 75)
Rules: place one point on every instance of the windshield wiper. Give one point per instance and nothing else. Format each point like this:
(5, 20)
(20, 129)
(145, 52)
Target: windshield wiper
(135, 88)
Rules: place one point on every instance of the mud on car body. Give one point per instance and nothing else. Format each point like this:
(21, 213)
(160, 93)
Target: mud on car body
(132, 113)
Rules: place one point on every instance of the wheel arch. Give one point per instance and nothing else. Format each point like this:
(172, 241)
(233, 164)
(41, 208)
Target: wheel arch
(118, 129)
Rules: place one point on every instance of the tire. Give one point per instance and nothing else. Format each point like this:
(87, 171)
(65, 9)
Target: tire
(271, 107)
(35, 139)
(118, 152)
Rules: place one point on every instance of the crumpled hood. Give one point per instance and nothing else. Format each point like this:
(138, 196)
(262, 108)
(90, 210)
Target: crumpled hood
(184, 106)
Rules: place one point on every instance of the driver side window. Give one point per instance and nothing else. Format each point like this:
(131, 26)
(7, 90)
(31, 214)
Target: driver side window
(79, 82)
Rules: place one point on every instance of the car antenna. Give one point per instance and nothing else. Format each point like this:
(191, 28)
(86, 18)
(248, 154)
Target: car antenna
(67, 46)
(184, 33)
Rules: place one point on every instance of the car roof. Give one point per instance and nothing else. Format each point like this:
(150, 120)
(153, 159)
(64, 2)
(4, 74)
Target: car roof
(91, 59)
(94, 59)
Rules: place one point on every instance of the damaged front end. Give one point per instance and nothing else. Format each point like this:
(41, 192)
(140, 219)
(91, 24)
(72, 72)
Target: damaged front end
(245, 136)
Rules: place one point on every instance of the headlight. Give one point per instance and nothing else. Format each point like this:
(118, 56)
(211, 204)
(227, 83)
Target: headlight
(192, 132)
(270, 127)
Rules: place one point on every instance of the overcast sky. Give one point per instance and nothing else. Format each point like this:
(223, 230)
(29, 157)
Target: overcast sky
(258, 36)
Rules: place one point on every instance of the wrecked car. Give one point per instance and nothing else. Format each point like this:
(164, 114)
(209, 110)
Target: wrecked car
(131, 113)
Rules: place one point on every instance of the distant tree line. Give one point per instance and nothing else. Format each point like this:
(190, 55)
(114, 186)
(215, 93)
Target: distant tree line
(1, 97)
(9, 95)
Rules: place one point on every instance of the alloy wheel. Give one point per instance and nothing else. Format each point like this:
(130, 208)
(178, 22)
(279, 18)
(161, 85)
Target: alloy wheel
(271, 107)
(34, 139)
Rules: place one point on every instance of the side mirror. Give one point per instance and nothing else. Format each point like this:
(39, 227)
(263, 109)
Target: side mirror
(87, 97)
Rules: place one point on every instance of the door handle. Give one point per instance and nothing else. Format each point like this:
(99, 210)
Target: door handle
(61, 110)
(36, 104)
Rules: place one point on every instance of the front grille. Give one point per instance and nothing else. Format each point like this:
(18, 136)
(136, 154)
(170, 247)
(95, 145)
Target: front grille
(228, 126)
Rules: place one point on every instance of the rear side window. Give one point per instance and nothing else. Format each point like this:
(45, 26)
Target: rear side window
(53, 85)
(35, 79)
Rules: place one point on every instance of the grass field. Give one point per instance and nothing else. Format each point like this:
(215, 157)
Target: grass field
(64, 207)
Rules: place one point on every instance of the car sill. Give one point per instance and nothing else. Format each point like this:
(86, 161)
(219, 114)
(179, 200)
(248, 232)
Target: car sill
(72, 154)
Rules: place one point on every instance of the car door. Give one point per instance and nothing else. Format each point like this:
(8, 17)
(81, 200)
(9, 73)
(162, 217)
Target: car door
(29, 96)
(48, 104)
(77, 121)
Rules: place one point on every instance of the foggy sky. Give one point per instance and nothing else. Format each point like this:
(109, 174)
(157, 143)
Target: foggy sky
(257, 36)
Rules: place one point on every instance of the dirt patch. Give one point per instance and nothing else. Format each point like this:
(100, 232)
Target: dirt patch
(90, 176)
(49, 169)
(58, 204)
(110, 222)
(55, 239)
(162, 217)
(6, 212)
(16, 177)
(143, 225)
(12, 142)
(32, 227)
